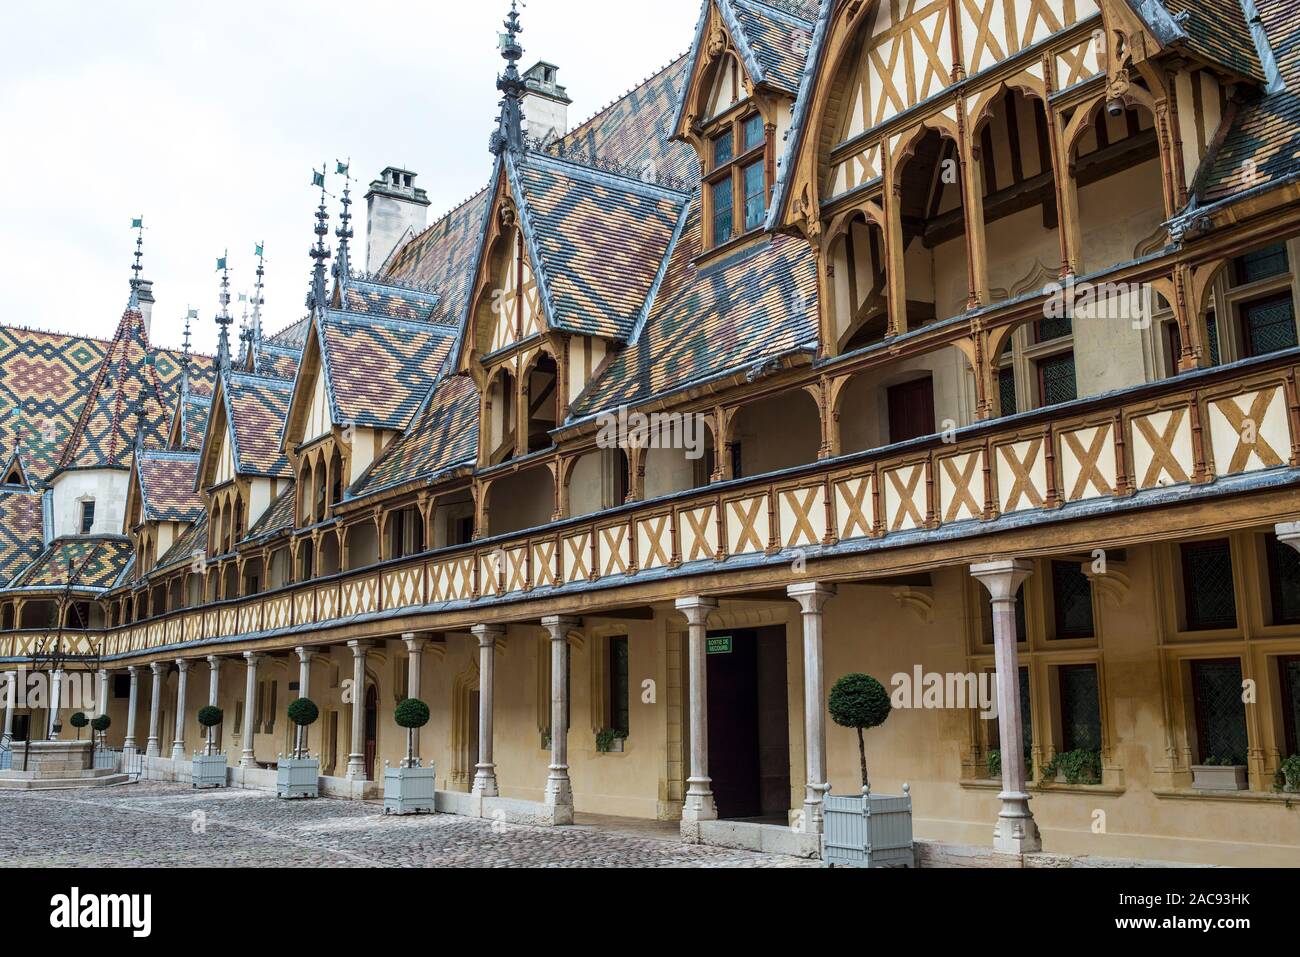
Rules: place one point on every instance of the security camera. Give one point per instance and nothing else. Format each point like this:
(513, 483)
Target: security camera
(1115, 107)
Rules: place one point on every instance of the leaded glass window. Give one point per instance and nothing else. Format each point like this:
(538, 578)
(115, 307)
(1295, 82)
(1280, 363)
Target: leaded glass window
(1072, 601)
(1080, 708)
(1262, 263)
(618, 684)
(1056, 379)
(1290, 668)
(755, 196)
(1007, 390)
(1208, 596)
(1220, 711)
(722, 211)
(1268, 325)
(1284, 581)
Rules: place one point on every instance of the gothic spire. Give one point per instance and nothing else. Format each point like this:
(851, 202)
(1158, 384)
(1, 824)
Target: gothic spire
(509, 134)
(258, 300)
(316, 299)
(342, 264)
(190, 315)
(223, 317)
(138, 225)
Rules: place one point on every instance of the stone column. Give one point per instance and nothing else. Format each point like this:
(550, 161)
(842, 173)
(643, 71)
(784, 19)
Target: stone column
(415, 658)
(101, 693)
(485, 777)
(699, 804)
(305, 657)
(11, 705)
(248, 759)
(812, 598)
(178, 746)
(559, 792)
(56, 700)
(214, 691)
(152, 750)
(357, 757)
(1015, 832)
(128, 744)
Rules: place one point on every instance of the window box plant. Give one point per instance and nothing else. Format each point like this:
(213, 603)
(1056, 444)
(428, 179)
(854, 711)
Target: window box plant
(299, 776)
(408, 788)
(1219, 774)
(1072, 767)
(610, 740)
(1289, 773)
(865, 830)
(209, 768)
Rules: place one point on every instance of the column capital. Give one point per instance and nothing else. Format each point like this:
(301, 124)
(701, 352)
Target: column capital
(305, 653)
(253, 657)
(560, 625)
(214, 661)
(134, 670)
(360, 646)
(157, 667)
(183, 665)
(696, 608)
(488, 634)
(1004, 577)
(811, 596)
(414, 643)
(1289, 534)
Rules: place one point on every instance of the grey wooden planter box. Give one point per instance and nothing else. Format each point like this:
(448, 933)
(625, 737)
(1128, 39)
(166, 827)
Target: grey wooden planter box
(1220, 777)
(209, 771)
(868, 831)
(297, 778)
(408, 790)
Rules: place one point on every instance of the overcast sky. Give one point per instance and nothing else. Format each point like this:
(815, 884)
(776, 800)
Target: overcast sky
(207, 118)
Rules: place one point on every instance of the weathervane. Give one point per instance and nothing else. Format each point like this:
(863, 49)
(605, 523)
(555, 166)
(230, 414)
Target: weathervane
(342, 265)
(319, 252)
(223, 317)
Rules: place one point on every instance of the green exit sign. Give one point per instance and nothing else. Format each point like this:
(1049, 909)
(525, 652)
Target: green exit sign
(720, 646)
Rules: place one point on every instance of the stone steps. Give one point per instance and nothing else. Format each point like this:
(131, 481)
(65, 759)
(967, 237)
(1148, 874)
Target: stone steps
(24, 781)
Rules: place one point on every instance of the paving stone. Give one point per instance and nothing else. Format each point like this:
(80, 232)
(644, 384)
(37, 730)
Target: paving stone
(157, 824)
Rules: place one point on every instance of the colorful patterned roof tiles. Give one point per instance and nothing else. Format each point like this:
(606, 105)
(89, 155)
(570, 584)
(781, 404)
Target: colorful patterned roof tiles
(386, 301)
(380, 370)
(21, 535)
(442, 258)
(599, 241)
(190, 543)
(167, 486)
(778, 38)
(758, 305)
(96, 563)
(256, 406)
(1217, 31)
(443, 436)
(277, 518)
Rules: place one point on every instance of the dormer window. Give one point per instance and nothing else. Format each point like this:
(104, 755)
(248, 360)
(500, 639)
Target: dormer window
(737, 181)
(87, 516)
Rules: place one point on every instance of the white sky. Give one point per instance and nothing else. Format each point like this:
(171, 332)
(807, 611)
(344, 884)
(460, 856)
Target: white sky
(207, 118)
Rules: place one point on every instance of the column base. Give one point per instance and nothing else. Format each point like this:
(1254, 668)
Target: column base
(248, 760)
(152, 750)
(485, 781)
(178, 751)
(559, 792)
(1015, 831)
(814, 820)
(699, 804)
(356, 767)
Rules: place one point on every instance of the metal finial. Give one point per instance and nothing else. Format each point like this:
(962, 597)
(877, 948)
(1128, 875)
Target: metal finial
(258, 300)
(137, 267)
(509, 134)
(319, 253)
(223, 317)
(342, 264)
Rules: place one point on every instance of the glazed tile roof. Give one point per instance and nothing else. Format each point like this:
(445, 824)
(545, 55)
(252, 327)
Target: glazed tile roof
(278, 362)
(368, 298)
(635, 131)
(378, 370)
(97, 563)
(256, 407)
(21, 534)
(443, 436)
(1217, 31)
(443, 258)
(167, 486)
(751, 308)
(193, 411)
(277, 517)
(598, 241)
(1263, 146)
(778, 39)
(193, 539)
(293, 336)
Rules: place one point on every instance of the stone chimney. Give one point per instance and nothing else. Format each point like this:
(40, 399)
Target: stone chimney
(396, 210)
(144, 295)
(546, 104)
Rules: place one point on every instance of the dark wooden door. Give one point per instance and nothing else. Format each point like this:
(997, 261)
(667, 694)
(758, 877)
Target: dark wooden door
(733, 725)
(372, 730)
(911, 410)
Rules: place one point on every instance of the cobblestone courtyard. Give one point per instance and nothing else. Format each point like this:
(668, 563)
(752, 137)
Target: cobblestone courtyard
(152, 824)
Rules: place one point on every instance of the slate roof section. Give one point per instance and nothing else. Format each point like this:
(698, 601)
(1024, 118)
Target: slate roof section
(167, 486)
(443, 436)
(1263, 146)
(256, 406)
(748, 309)
(367, 298)
(193, 410)
(97, 564)
(277, 362)
(379, 371)
(21, 534)
(442, 258)
(1217, 31)
(778, 39)
(293, 336)
(597, 241)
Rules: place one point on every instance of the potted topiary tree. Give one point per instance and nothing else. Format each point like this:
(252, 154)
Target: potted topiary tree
(408, 789)
(299, 776)
(99, 725)
(79, 721)
(867, 830)
(209, 768)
